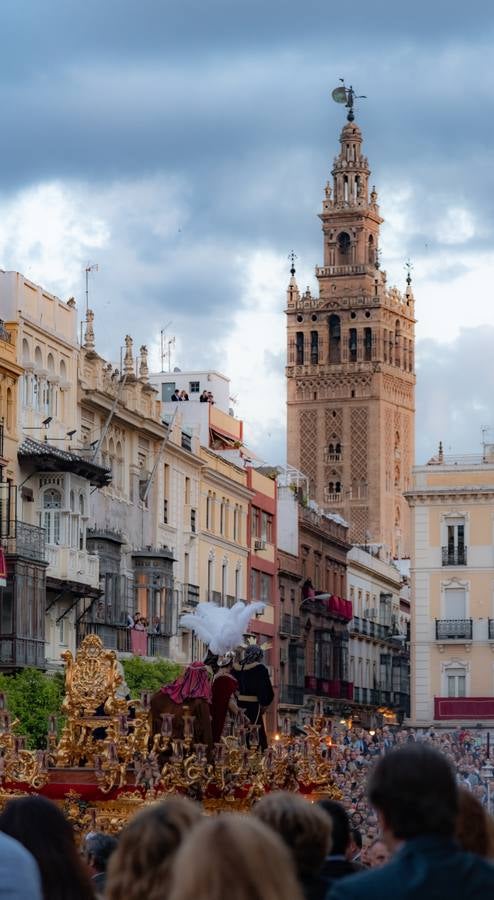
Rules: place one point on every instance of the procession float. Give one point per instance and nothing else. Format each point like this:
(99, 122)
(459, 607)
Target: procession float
(107, 754)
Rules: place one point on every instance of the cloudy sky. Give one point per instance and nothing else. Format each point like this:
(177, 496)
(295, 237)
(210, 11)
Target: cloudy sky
(183, 145)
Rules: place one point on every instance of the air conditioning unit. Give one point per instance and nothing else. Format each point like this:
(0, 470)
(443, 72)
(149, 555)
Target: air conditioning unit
(259, 545)
(283, 655)
(370, 613)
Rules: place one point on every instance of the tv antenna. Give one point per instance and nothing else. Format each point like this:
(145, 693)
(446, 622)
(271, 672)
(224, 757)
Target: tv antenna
(163, 344)
(347, 95)
(91, 267)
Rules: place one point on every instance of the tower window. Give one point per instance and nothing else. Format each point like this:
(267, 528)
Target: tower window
(344, 243)
(367, 344)
(352, 344)
(371, 253)
(314, 348)
(300, 348)
(334, 339)
(385, 345)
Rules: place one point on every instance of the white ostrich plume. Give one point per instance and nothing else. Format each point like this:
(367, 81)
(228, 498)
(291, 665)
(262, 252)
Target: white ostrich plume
(220, 627)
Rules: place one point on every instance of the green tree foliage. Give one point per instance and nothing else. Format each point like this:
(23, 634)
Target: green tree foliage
(148, 676)
(31, 697)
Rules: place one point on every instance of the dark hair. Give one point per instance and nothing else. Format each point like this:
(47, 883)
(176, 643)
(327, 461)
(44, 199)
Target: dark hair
(415, 789)
(356, 834)
(100, 847)
(43, 830)
(341, 825)
(304, 828)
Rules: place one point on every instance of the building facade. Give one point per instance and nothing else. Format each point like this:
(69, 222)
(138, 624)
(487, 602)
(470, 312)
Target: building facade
(54, 570)
(350, 366)
(452, 572)
(379, 639)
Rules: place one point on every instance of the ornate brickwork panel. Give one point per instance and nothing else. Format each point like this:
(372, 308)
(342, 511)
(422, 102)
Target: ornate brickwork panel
(308, 446)
(359, 426)
(388, 443)
(360, 524)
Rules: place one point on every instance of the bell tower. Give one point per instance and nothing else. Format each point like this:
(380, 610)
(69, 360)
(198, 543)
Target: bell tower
(350, 365)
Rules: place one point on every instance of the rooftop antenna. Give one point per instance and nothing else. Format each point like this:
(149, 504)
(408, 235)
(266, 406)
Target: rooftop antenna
(170, 344)
(91, 267)
(347, 95)
(292, 256)
(163, 342)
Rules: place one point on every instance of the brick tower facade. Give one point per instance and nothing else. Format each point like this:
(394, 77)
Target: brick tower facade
(350, 372)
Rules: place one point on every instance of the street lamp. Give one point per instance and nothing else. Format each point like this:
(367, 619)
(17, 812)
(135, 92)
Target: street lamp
(487, 772)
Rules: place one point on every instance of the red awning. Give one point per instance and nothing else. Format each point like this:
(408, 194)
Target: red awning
(3, 568)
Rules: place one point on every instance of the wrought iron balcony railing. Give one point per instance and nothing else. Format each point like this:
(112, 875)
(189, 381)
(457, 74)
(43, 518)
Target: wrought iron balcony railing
(454, 556)
(453, 629)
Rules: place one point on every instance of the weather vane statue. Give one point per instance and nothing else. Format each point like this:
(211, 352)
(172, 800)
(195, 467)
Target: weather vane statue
(347, 95)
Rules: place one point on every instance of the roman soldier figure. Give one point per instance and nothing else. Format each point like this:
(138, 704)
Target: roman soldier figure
(255, 688)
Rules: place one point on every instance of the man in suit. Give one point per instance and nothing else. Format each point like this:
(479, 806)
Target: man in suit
(338, 864)
(98, 848)
(415, 795)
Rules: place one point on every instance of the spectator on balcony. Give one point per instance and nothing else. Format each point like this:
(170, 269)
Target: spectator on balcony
(210, 398)
(156, 625)
(139, 622)
(176, 396)
(204, 398)
(184, 395)
(308, 591)
(414, 792)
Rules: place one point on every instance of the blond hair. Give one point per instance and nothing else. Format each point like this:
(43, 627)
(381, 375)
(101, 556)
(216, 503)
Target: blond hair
(233, 857)
(141, 864)
(305, 828)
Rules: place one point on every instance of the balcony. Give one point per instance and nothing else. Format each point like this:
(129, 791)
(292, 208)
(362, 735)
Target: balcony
(454, 556)
(336, 499)
(290, 625)
(453, 629)
(191, 594)
(334, 688)
(368, 628)
(25, 540)
(292, 694)
(113, 637)
(16, 652)
(491, 629)
(464, 708)
(70, 564)
(158, 645)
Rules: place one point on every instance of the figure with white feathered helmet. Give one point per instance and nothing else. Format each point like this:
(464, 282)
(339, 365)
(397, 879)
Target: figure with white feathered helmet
(237, 687)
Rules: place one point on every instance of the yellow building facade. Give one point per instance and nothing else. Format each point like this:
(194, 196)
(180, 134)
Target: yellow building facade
(452, 572)
(223, 541)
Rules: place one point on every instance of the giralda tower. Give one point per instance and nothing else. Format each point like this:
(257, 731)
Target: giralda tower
(350, 366)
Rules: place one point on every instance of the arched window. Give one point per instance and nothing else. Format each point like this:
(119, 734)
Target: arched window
(337, 487)
(52, 504)
(10, 410)
(72, 501)
(119, 466)
(314, 348)
(331, 487)
(385, 345)
(25, 351)
(38, 358)
(367, 344)
(352, 345)
(63, 370)
(345, 188)
(50, 363)
(371, 252)
(397, 343)
(344, 242)
(334, 339)
(300, 348)
(111, 455)
(82, 504)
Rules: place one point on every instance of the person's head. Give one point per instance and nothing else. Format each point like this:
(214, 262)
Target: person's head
(233, 851)
(43, 830)
(98, 848)
(355, 845)
(253, 654)
(377, 854)
(474, 826)
(340, 825)
(141, 864)
(414, 792)
(303, 826)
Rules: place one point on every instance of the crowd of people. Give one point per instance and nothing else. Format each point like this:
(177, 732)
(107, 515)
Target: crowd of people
(179, 396)
(434, 839)
(355, 750)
